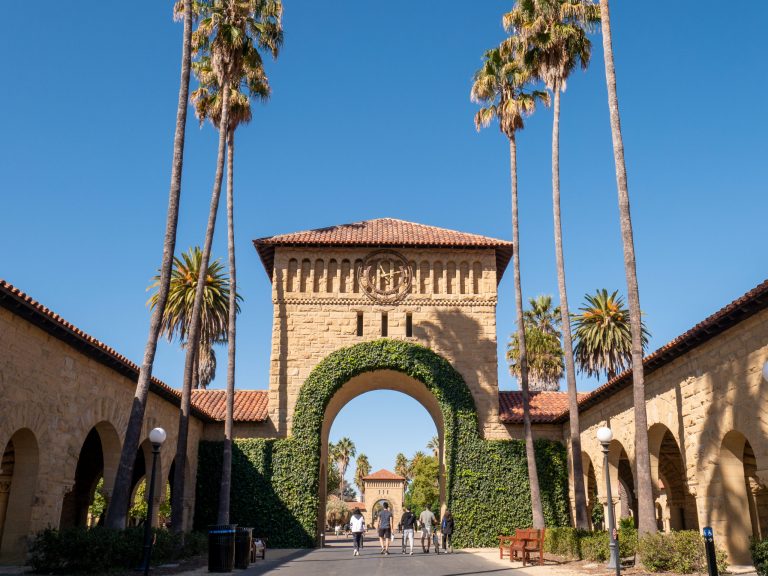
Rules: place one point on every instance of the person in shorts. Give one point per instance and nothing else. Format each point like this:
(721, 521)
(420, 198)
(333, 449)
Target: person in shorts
(426, 520)
(385, 528)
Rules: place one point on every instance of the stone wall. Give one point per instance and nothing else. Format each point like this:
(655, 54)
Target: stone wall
(708, 435)
(51, 397)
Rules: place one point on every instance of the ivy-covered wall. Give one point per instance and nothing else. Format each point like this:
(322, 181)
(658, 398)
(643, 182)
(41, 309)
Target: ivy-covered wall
(275, 482)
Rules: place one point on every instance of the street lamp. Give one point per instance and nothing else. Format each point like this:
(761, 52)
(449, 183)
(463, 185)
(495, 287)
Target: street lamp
(605, 435)
(156, 437)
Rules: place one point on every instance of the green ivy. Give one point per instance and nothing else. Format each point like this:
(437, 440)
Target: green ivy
(275, 482)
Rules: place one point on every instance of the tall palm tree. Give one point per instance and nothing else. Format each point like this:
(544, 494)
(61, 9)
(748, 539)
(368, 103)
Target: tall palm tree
(118, 505)
(542, 344)
(403, 466)
(342, 452)
(645, 509)
(230, 32)
(362, 469)
(208, 100)
(603, 335)
(500, 85)
(551, 38)
(434, 445)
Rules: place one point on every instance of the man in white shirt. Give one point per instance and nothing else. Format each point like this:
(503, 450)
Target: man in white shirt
(426, 519)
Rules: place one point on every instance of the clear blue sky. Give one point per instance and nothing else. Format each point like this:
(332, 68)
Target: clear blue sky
(371, 117)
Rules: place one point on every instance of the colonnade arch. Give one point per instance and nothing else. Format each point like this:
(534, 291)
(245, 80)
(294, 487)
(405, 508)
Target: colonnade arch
(18, 482)
(744, 513)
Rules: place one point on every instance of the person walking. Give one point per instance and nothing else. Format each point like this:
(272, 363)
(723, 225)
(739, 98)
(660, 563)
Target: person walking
(408, 522)
(446, 527)
(427, 520)
(385, 528)
(357, 526)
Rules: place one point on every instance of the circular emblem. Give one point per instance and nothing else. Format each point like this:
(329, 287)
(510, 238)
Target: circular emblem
(385, 276)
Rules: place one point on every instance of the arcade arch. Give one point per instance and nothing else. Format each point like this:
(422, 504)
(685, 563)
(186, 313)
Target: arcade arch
(675, 505)
(18, 482)
(745, 510)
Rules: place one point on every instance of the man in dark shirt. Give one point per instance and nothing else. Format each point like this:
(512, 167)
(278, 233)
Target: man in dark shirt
(385, 528)
(408, 522)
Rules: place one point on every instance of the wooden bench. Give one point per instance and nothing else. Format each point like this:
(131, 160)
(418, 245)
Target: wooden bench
(522, 544)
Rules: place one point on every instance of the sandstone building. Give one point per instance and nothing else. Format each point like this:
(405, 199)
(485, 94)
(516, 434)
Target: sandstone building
(65, 396)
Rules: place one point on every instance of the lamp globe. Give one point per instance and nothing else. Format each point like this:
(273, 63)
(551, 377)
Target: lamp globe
(157, 436)
(604, 435)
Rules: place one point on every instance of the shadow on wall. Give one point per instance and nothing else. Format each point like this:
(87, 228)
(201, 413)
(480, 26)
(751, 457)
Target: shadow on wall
(261, 473)
(734, 438)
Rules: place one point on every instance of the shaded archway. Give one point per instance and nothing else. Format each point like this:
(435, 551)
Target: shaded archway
(21, 460)
(622, 481)
(675, 505)
(590, 484)
(389, 364)
(739, 499)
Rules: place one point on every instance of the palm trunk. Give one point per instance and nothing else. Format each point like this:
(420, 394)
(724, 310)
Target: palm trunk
(179, 477)
(645, 507)
(533, 475)
(118, 505)
(226, 466)
(579, 495)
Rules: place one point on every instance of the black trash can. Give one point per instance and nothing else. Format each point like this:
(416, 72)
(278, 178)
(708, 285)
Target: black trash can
(221, 547)
(243, 539)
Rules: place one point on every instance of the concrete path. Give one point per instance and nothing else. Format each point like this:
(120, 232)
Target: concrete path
(337, 559)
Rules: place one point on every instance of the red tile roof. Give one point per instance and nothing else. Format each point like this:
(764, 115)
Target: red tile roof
(253, 407)
(250, 405)
(384, 232)
(546, 407)
(383, 475)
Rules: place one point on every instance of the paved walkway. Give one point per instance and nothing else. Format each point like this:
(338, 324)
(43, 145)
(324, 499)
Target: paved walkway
(337, 559)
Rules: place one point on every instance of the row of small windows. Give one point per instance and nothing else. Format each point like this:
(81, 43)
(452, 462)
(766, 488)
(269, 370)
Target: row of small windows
(427, 277)
(385, 324)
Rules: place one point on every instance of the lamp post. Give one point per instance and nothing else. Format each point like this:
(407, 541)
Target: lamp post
(605, 435)
(156, 437)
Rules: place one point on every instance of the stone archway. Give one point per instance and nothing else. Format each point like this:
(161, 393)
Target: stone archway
(21, 461)
(383, 364)
(675, 505)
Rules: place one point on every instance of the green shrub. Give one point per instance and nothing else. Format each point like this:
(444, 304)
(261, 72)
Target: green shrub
(565, 542)
(679, 551)
(99, 550)
(759, 550)
(275, 482)
(595, 547)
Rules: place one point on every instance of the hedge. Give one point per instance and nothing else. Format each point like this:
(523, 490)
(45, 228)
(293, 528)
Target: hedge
(100, 550)
(275, 482)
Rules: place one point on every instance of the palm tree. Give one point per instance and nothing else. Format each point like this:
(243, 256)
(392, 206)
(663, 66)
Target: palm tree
(342, 452)
(552, 40)
(178, 311)
(645, 508)
(230, 32)
(208, 104)
(434, 445)
(542, 343)
(603, 335)
(500, 86)
(362, 469)
(403, 466)
(118, 508)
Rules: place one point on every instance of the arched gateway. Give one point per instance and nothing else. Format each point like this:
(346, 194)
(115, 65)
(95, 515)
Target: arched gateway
(388, 304)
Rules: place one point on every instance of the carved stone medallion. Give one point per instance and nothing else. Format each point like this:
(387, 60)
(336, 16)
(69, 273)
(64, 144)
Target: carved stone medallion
(385, 276)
